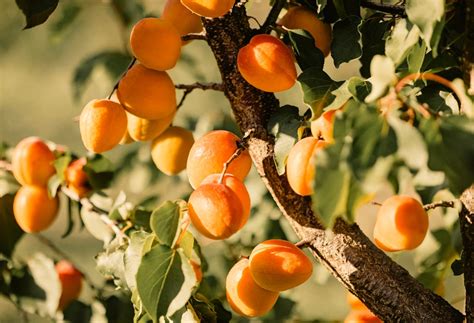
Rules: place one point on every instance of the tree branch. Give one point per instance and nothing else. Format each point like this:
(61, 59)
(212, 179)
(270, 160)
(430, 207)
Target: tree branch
(273, 16)
(398, 10)
(384, 286)
(193, 36)
(188, 88)
(435, 205)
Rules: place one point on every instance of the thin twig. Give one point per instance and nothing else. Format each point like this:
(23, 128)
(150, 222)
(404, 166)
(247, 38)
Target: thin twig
(435, 205)
(273, 16)
(194, 36)
(132, 62)
(188, 88)
(398, 10)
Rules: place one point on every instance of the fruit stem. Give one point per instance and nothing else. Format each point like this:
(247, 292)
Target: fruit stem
(194, 36)
(132, 62)
(236, 154)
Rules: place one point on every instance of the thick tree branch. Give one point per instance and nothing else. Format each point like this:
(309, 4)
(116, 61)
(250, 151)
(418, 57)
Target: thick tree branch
(388, 8)
(385, 287)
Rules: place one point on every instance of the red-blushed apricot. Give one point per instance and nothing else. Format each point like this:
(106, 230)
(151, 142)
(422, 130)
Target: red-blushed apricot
(76, 177)
(33, 209)
(197, 271)
(71, 283)
(267, 64)
(361, 316)
(215, 211)
(401, 224)
(156, 43)
(209, 8)
(300, 166)
(32, 162)
(146, 93)
(323, 127)
(245, 297)
(185, 21)
(237, 187)
(141, 129)
(103, 124)
(303, 18)
(278, 265)
(170, 150)
(210, 152)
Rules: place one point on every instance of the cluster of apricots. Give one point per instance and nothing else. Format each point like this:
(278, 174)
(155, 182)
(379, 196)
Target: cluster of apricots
(71, 283)
(253, 285)
(359, 312)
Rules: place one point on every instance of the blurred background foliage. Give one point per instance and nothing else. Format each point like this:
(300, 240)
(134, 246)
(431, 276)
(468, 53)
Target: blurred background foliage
(48, 73)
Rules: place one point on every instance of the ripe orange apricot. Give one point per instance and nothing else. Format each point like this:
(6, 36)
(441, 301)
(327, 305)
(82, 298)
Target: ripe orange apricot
(302, 18)
(267, 64)
(170, 150)
(210, 152)
(102, 124)
(147, 93)
(209, 8)
(278, 265)
(215, 211)
(32, 162)
(156, 43)
(355, 303)
(182, 18)
(401, 224)
(362, 316)
(300, 166)
(76, 177)
(237, 187)
(245, 297)
(141, 129)
(71, 283)
(33, 209)
(323, 127)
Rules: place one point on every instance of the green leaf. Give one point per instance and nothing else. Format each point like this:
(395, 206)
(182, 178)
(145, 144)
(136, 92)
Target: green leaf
(111, 264)
(133, 256)
(36, 11)
(382, 72)
(209, 311)
(317, 87)
(10, 232)
(96, 227)
(373, 32)
(165, 222)
(129, 11)
(415, 57)
(165, 280)
(402, 38)
(61, 164)
(100, 172)
(345, 45)
(426, 14)
(284, 124)
(307, 55)
(354, 87)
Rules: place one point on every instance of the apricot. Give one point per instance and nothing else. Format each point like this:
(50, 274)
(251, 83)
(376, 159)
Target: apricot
(76, 177)
(210, 152)
(300, 166)
(323, 127)
(209, 8)
(237, 187)
(33, 209)
(141, 129)
(71, 283)
(302, 18)
(401, 224)
(102, 124)
(147, 93)
(32, 162)
(244, 295)
(361, 316)
(278, 265)
(355, 303)
(215, 211)
(182, 18)
(156, 43)
(170, 150)
(267, 64)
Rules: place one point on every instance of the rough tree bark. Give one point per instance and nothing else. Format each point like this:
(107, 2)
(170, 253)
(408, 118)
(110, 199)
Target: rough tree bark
(385, 287)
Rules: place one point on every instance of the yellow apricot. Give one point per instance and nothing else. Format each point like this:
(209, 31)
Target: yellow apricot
(102, 124)
(267, 64)
(170, 150)
(210, 152)
(323, 127)
(278, 265)
(182, 18)
(302, 18)
(300, 166)
(245, 297)
(33, 209)
(32, 162)
(156, 43)
(209, 8)
(71, 283)
(141, 129)
(401, 224)
(147, 93)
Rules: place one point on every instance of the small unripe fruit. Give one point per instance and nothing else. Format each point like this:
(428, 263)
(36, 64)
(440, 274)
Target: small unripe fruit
(210, 152)
(156, 43)
(209, 8)
(71, 283)
(32, 162)
(185, 21)
(76, 177)
(33, 209)
(141, 129)
(278, 265)
(401, 224)
(245, 297)
(323, 127)
(102, 124)
(267, 64)
(147, 93)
